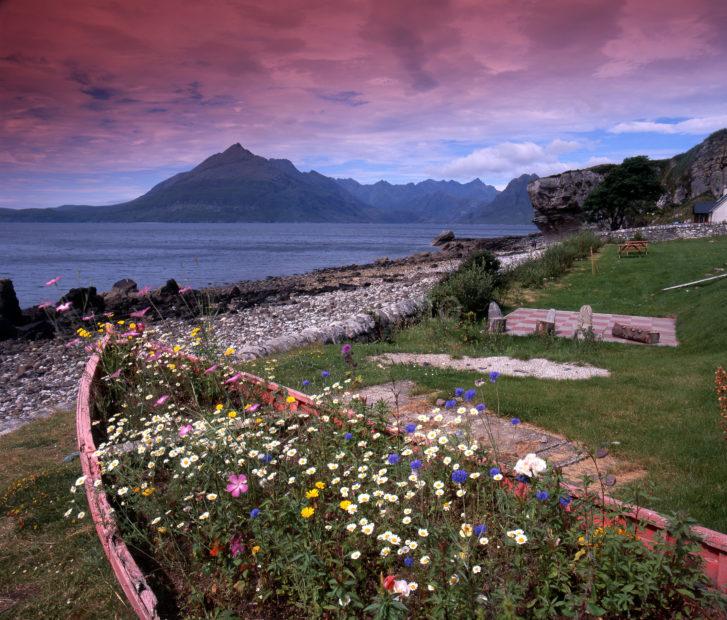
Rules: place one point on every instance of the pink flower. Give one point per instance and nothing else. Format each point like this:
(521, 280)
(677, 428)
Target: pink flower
(185, 430)
(402, 587)
(45, 304)
(234, 378)
(114, 375)
(236, 546)
(129, 335)
(185, 289)
(161, 400)
(145, 291)
(88, 317)
(211, 369)
(73, 343)
(252, 408)
(237, 484)
(63, 307)
(53, 281)
(139, 314)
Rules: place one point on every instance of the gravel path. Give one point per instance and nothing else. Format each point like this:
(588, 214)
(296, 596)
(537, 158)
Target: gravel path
(536, 367)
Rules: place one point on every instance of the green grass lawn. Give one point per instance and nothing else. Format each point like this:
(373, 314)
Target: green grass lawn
(659, 403)
(50, 567)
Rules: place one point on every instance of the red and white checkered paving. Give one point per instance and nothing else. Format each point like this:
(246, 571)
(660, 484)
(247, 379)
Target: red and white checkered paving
(521, 322)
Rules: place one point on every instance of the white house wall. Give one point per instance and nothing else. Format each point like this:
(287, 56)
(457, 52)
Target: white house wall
(720, 213)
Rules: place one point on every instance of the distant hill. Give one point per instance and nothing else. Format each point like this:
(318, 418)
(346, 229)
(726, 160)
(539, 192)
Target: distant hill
(511, 206)
(233, 186)
(239, 186)
(427, 201)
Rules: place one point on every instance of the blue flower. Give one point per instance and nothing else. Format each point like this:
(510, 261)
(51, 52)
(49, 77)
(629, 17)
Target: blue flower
(522, 478)
(458, 391)
(393, 458)
(325, 374)
(542, 495)
(410, 428)
(493, 376)
(348, 436)
(449, 404)
(254, 513)
(415, 464)
(565, 501)
(494, 471)
(481, 407)
(479, 529)
(408, 561)
(306, 382)
(470, 394)
(459, 476)
(515, 421)
(266, 458)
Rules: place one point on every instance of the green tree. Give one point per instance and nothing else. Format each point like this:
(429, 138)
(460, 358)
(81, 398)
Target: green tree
(626, 195)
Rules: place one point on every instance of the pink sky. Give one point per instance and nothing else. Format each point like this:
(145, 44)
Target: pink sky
(120, 94)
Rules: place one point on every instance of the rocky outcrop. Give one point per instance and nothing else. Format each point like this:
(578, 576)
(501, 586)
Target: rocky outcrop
(558, 199)
(700, 171)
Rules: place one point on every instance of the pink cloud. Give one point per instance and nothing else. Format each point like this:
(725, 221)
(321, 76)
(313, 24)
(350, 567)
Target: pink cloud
(93, 87)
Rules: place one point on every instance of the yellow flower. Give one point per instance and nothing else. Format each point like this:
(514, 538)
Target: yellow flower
(172, 366)
(290, 399)
(219, 407)
(162, 530)
(229, 351)
(320, 485)
(232, 414)
(148, 491)
(177, 348)
(345, 504)
(312, 493)
(195, 331)
(307, 512)
(255, 550)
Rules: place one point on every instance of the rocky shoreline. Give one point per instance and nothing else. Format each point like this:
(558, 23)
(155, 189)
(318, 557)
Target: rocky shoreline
(38, 376)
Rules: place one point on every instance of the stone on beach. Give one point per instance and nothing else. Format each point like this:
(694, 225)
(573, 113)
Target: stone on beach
(443, 237)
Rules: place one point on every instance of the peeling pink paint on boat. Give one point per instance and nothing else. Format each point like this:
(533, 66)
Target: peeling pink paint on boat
(131, 579)
(713, 544)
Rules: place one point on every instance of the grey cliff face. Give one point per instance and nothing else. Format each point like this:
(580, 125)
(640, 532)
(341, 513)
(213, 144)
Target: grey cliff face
(557, 200)
(700, 171)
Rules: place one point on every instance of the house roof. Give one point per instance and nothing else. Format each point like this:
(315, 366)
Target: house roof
(703, 208)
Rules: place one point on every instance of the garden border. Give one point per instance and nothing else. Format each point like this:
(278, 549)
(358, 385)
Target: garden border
(132, 580)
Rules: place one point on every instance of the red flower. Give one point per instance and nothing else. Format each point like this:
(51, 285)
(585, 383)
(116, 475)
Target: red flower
(521, 490)
(388, 582)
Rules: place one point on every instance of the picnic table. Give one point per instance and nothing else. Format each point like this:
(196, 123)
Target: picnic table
(640, 247)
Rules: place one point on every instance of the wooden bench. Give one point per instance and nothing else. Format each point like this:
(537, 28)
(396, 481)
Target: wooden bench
(640, 247)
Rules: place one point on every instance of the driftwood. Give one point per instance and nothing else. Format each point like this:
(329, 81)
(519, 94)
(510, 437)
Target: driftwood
(636, 334)
(671, 288)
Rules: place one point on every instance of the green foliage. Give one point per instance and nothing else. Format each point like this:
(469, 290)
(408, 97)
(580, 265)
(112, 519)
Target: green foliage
(470, 289)
(555, 260)
(627, 194)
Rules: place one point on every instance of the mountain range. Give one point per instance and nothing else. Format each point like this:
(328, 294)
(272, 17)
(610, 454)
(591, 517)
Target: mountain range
(239, 186)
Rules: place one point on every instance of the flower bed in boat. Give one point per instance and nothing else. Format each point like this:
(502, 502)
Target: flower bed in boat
(257, 504)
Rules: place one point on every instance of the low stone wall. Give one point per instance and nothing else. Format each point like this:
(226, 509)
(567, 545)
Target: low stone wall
(668, 232)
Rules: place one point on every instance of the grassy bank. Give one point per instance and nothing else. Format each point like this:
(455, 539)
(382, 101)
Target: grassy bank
(50, 566)
(659, 404)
